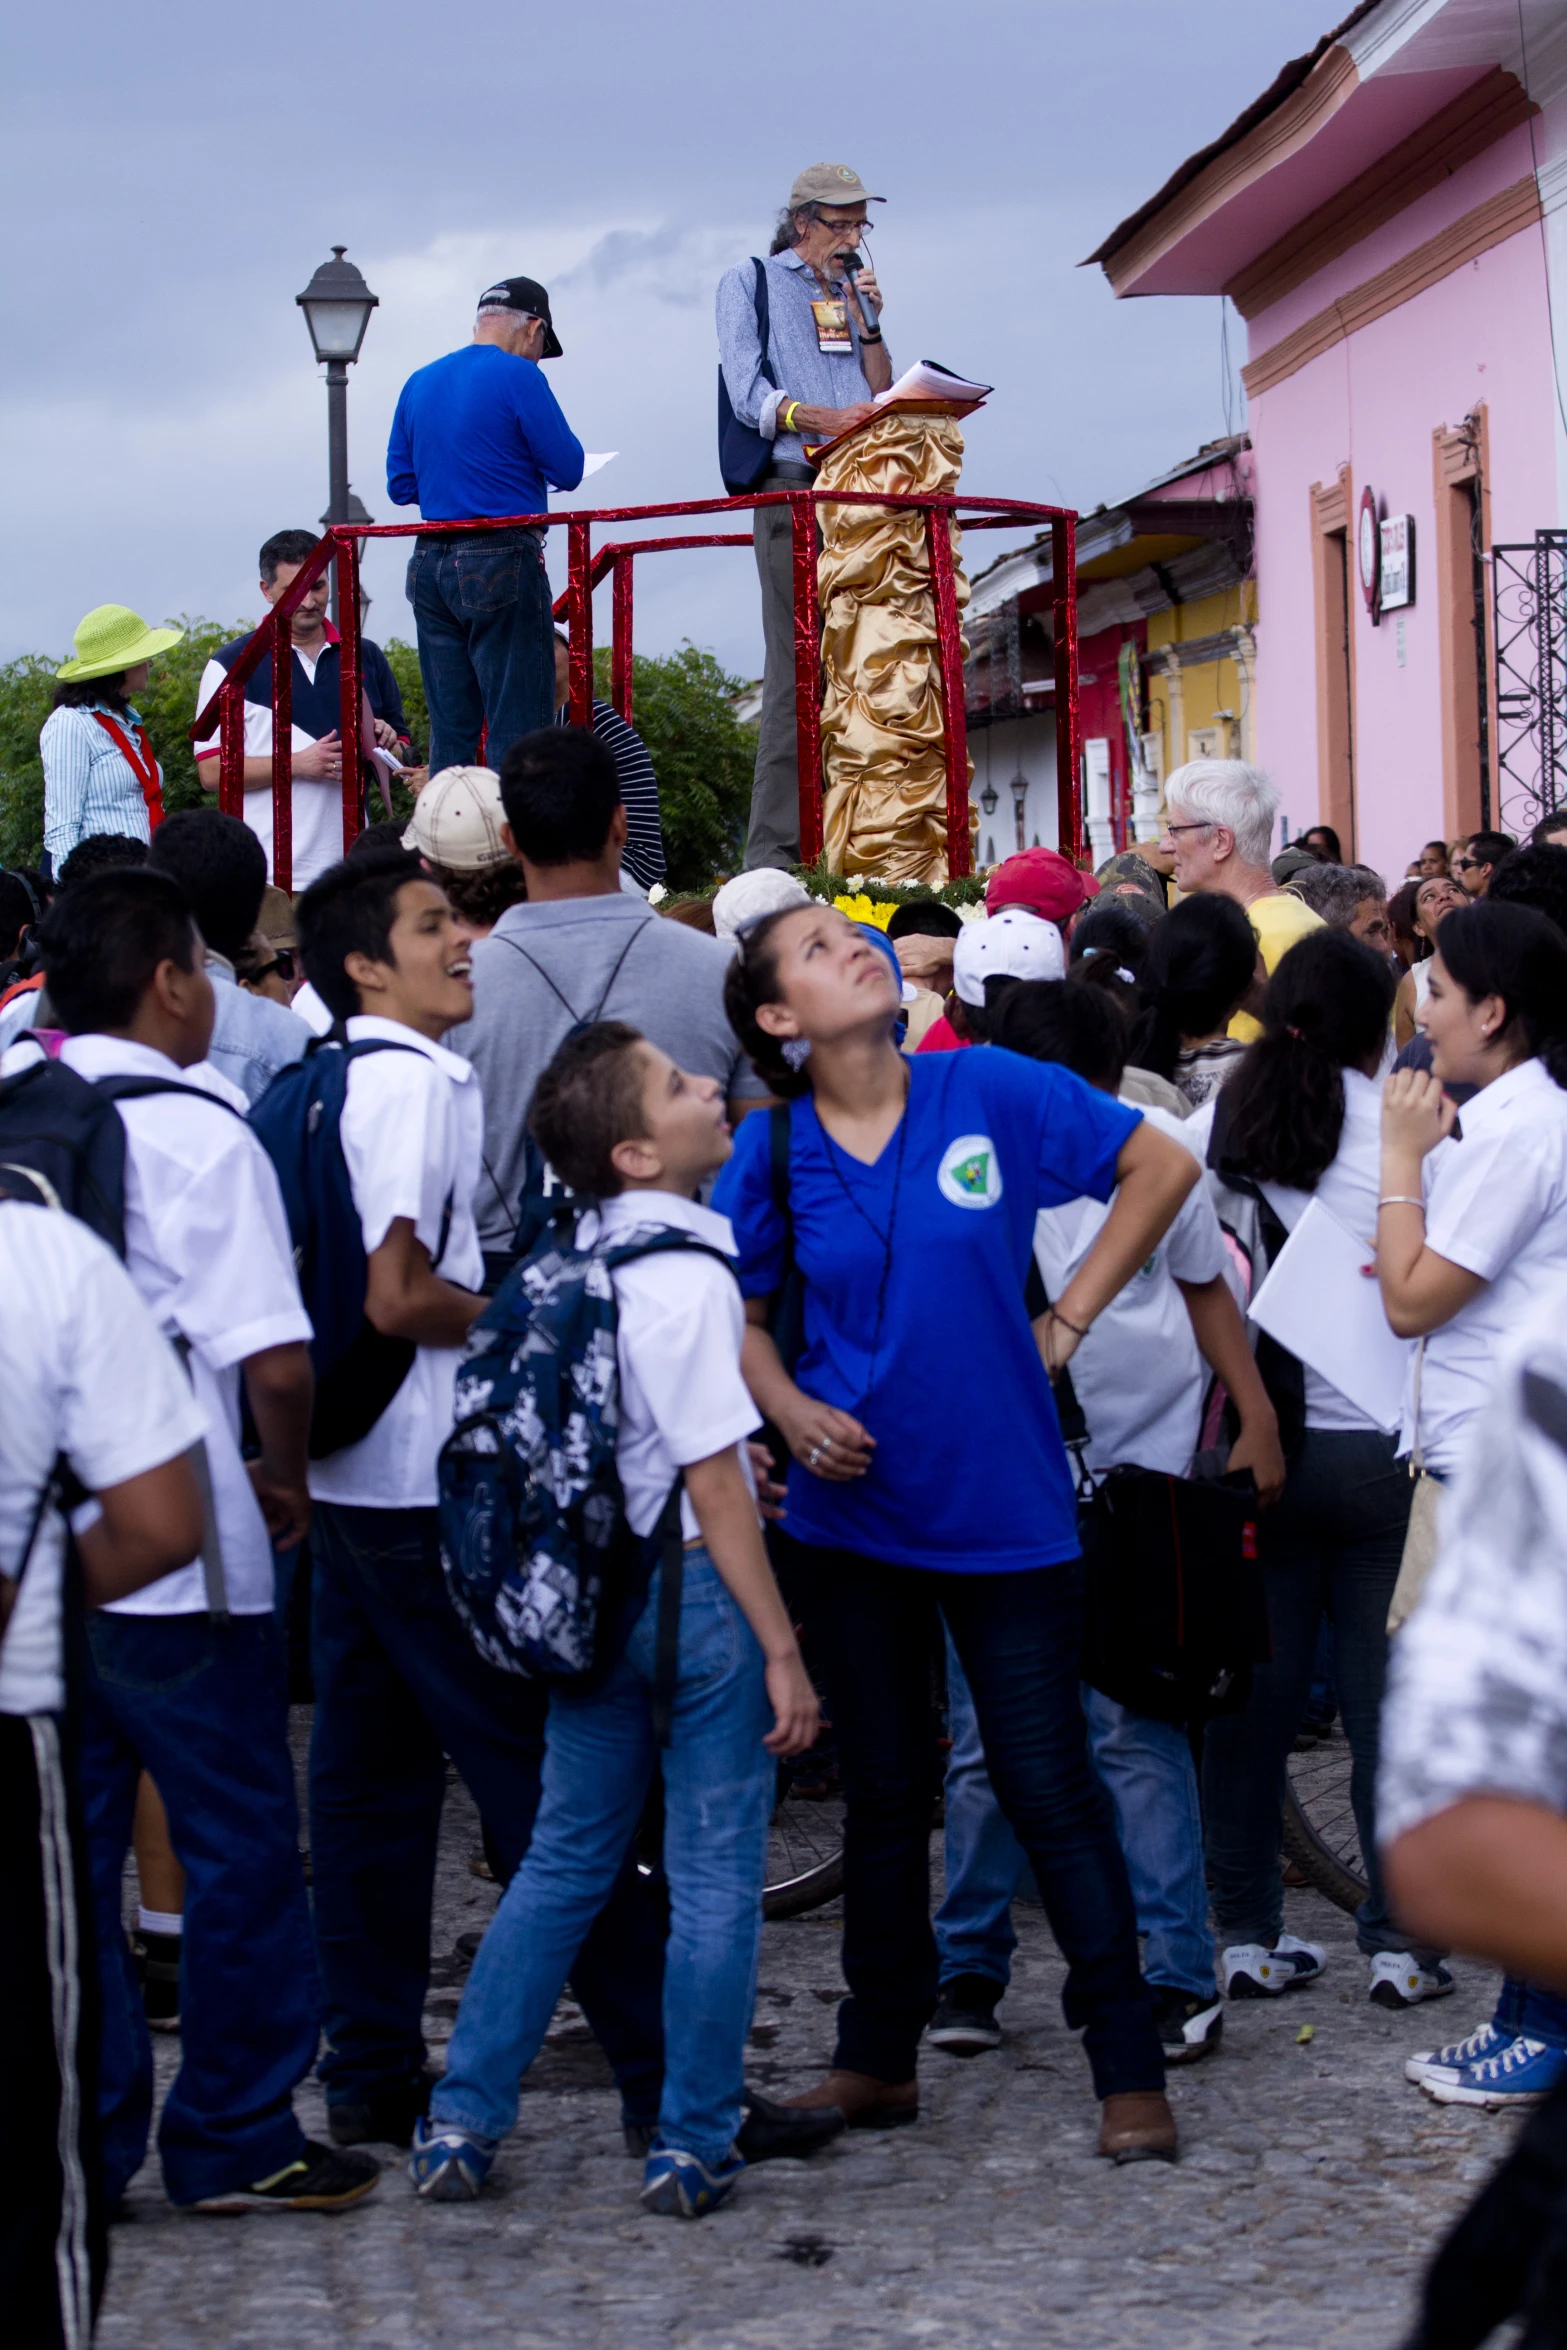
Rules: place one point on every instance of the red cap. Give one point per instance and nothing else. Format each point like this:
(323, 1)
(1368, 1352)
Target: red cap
(1044, 881)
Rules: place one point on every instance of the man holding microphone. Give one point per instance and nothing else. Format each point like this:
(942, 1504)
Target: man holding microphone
(824, 358)
(480, 433)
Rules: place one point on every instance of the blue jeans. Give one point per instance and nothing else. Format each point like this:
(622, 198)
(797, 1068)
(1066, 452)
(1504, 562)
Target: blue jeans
(1333, 1543)
(874, 1629)
(1147, 1767)
(1537, 2014)
(486, 642)
(399, 1688)
(202, 1706)
(718, 1791)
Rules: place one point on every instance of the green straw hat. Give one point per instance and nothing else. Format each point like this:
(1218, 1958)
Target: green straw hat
(112, 638)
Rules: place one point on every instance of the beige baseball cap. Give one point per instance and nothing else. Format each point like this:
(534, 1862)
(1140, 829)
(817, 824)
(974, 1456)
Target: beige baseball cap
(457, 820)
(830, 183)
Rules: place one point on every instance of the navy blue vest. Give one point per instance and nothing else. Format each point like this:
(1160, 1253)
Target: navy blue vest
(317, 706)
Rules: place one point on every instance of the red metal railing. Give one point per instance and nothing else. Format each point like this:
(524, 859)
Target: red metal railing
(586, 570)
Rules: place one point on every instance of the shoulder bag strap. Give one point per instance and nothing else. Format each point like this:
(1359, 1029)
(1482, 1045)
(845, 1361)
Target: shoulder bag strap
(764, 318)
(213, 1576)
(581, 1019)
(48, 1498)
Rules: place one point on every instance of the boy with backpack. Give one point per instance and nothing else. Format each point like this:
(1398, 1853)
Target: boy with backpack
(184, 1679)
(711, 1656)
(398, 1120)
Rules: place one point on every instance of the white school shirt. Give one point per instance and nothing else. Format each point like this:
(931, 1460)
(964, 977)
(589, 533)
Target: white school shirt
(1496, 1204)
(207, 1245)
(317, 803)
(681, 1326)
(1350, 1188)
(412, 1134)
(1138, 1375)
(85, 1372)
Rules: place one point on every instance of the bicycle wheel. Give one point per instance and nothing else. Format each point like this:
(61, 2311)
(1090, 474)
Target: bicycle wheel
(1320, 1835)
(804, 1857)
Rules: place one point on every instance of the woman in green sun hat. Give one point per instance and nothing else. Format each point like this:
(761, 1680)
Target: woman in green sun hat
(100, 771)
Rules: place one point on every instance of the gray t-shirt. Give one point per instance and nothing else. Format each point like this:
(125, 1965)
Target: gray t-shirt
(542, 969)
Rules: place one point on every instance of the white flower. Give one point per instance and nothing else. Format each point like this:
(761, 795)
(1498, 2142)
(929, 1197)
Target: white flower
(973, 913)
(657, 894)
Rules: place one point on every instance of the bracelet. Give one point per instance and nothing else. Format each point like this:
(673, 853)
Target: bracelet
(875, 338)
(1076, 1328)
(1401, 1199)
(788, 415)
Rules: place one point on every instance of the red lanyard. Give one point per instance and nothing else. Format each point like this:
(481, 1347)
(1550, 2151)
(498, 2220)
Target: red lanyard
(140, 759)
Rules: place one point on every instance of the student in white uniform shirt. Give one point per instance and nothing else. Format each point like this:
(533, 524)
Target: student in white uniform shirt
(624, 1126)
(399, 1686)
(1472, 1246)
(88, 1379)
(185, 1679)
(1301, 1119)
(1139, 1376)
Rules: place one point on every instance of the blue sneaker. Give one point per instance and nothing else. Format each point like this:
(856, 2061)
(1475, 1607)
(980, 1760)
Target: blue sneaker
(448, 2165)
(677, 2183)
(1524, 2072)
(1429, 2065)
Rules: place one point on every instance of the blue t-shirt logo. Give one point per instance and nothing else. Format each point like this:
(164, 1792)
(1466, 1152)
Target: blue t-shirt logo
(970, 1172)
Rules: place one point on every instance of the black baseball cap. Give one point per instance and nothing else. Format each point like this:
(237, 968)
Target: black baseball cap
(524, 293)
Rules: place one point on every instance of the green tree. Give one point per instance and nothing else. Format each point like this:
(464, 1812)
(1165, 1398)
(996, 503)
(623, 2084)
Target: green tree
(683, 708)
(167, 704)
(403, 661)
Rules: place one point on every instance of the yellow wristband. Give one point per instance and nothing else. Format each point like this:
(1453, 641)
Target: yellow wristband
(788, 415)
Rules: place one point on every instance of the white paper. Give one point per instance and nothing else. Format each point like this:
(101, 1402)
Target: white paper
(928, 380)
(595, 460)
(1319, 1302)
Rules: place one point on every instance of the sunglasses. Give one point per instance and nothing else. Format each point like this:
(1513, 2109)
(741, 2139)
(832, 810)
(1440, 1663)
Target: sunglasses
(282, 963)
(1468, 864)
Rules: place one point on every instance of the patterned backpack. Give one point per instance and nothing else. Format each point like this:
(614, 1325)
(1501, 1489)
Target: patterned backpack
(540, 1563)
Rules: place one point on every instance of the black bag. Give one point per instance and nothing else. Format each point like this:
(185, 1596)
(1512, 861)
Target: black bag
(744, 456)
(62, 1144)
(1174, 1615)
(786, 1323)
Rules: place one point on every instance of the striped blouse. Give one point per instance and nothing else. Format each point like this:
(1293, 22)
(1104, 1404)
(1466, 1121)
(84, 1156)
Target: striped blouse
(89, 786)
(643, 856)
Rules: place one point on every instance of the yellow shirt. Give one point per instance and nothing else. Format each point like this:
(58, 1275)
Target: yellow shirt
(1277, 921)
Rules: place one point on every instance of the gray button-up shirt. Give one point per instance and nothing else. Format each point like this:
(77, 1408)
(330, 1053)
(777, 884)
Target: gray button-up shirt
(823, 379)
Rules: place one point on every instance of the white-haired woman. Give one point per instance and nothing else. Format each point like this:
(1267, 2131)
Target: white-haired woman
(1219, 830)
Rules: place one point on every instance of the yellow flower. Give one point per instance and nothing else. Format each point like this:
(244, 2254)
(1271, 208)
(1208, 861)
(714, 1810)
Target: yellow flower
(864, 909)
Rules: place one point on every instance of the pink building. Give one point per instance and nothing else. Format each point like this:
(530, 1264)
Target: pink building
(1388, 219)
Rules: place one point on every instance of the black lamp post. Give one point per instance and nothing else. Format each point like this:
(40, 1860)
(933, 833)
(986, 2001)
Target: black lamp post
(337, 305)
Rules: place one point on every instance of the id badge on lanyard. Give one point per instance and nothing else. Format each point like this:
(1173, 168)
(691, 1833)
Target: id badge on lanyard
(832, 326)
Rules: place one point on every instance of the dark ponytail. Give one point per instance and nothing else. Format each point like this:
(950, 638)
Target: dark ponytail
(1198, 968)
(1515, 953)
(751, 981)
(1326, 1010)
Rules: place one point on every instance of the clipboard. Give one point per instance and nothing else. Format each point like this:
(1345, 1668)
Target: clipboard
(1321, 1301)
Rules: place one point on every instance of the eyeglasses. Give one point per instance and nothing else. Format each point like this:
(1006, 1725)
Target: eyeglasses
(1173, 829)
(282, 963)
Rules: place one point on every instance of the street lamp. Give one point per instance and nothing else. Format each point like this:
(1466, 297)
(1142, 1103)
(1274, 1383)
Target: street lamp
(989, 799)
(337, 305)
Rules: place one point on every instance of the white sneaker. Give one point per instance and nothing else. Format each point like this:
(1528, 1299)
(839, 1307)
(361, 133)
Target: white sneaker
(1429, 2065)
(1252, 1971)
(1399, 1980)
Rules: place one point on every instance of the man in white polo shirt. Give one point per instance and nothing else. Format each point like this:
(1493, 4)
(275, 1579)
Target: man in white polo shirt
(185, 1679)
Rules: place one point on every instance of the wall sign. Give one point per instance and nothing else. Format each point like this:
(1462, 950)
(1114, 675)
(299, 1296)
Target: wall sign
(1368, 541)
(1396, 562)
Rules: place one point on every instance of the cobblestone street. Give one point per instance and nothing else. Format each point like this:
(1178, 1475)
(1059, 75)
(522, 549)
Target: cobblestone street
(1312, 2184)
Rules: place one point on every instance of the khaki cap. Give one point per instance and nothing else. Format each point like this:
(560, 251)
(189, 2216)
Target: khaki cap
(457, 820)
(830, 183)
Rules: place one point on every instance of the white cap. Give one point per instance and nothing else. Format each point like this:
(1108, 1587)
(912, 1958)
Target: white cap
(1013, 944)
(457, 820)
(749, 896)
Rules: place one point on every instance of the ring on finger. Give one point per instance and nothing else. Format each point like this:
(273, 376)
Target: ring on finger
(813, 1456)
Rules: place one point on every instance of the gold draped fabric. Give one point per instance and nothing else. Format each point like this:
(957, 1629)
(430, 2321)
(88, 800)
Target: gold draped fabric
(884, 767)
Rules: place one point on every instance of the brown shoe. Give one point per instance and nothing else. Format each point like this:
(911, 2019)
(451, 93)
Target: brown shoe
(1138, 2126)
(865, 2104)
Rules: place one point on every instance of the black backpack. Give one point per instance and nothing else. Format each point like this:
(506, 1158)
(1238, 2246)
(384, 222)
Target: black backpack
(62, 1144)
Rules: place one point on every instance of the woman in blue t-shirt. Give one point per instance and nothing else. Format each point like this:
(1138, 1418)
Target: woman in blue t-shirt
(912, 1191)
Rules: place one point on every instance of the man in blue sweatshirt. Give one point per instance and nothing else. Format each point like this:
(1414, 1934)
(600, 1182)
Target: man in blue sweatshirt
(480, 433)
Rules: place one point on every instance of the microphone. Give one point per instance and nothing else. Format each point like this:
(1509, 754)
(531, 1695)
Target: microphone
(853, 263)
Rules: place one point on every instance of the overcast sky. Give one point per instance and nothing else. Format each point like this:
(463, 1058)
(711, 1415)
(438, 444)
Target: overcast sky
(173, 175)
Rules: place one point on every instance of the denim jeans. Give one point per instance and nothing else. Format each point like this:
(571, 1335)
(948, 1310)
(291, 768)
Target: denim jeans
(1147, 1767)
(399, 1688)
(875, 1630)
(1537, 2014)
(718, 1792)
(1332, 1543)
(202, 1707)
(486, 642)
